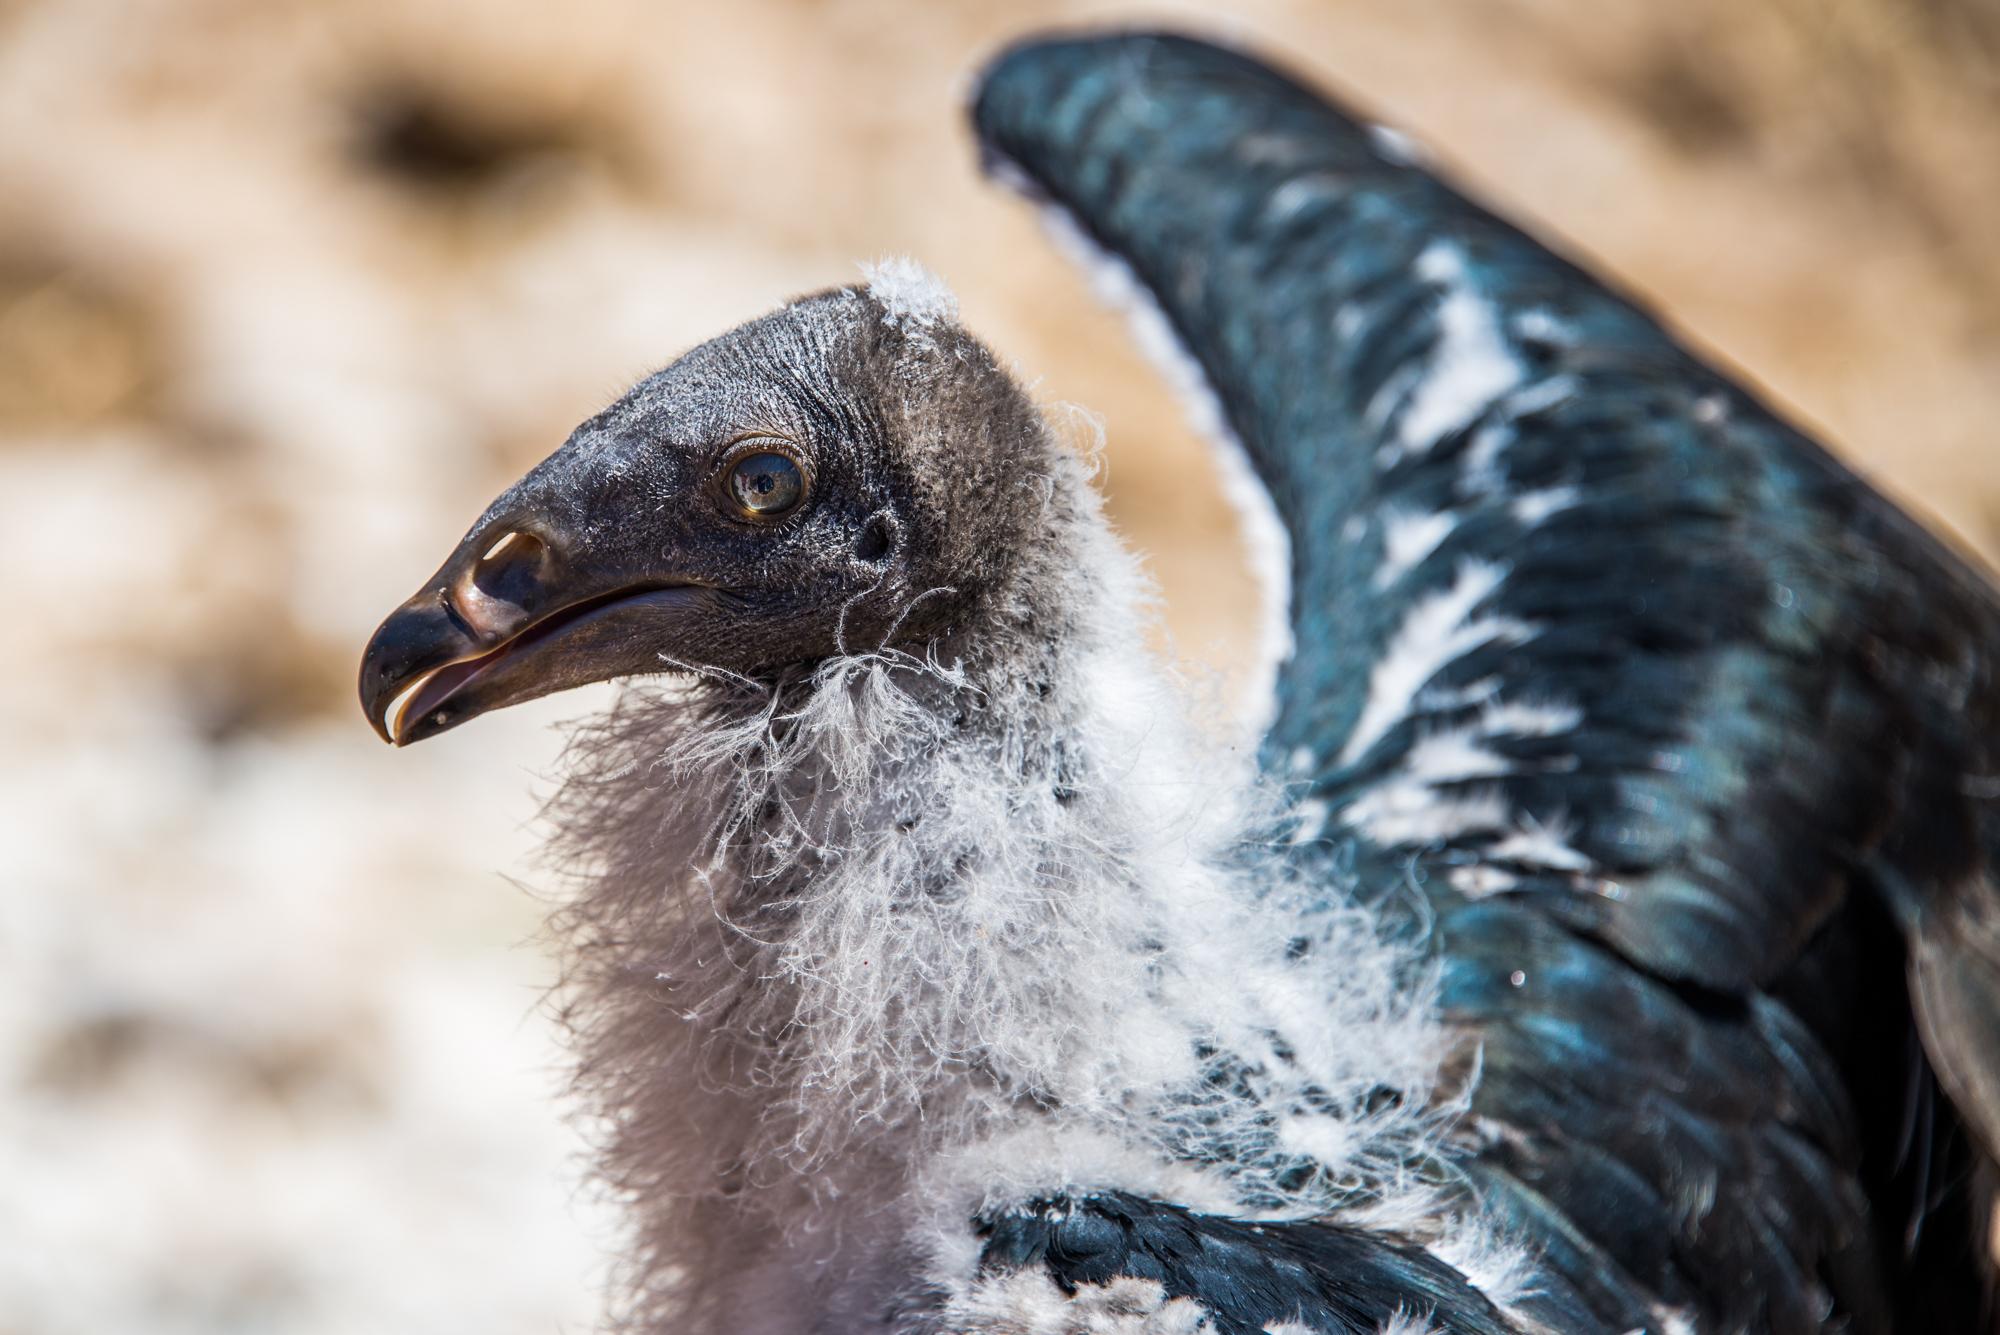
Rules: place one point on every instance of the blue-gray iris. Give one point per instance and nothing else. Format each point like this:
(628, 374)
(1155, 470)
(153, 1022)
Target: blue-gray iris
(766, 484)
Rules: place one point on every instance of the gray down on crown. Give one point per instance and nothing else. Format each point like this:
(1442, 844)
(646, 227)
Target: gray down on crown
(1605, 942)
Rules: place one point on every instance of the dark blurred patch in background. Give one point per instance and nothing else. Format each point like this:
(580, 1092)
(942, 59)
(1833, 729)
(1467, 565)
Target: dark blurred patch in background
(289, 290)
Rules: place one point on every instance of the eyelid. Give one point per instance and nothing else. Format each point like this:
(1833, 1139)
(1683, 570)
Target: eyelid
(764, 442)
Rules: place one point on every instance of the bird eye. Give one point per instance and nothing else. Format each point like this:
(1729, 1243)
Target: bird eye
(766, 485)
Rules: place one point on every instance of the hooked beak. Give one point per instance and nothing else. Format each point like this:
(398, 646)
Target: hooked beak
(507, 619)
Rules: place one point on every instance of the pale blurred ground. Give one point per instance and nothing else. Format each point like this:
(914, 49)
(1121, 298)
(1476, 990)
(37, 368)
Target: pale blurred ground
(290, 288)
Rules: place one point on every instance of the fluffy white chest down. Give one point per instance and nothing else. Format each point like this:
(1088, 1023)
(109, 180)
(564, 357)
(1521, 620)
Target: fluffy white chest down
(860, 959)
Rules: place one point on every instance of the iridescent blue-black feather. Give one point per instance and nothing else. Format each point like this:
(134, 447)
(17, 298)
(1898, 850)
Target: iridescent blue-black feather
(1247, 1276)
(1687, 734)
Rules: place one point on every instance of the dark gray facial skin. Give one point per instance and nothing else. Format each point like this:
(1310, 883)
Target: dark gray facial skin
(629, 553)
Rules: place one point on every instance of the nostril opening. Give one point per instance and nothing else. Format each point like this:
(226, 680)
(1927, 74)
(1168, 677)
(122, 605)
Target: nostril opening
(512, 570)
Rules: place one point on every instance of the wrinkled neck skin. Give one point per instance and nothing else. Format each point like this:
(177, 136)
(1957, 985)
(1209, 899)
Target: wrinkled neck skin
(914, 937)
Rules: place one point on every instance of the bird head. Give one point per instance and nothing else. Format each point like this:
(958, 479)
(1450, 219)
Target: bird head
(843, 475)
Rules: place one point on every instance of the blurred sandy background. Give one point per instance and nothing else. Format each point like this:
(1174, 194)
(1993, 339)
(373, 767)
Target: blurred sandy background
(290, 288)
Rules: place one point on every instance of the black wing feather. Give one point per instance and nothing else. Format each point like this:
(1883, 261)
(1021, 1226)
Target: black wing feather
(1782, 766)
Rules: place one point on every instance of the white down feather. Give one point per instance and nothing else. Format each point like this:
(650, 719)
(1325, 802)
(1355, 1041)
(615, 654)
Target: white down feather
(860, 957)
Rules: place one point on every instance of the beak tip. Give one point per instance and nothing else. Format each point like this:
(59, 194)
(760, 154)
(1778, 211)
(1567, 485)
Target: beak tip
(375, 704)
(403, 653)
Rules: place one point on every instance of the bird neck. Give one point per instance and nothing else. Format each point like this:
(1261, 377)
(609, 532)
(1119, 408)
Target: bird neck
(870, 879)
(981, 918)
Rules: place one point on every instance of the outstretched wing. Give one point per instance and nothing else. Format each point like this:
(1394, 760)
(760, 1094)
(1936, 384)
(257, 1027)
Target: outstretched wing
(1687, 733)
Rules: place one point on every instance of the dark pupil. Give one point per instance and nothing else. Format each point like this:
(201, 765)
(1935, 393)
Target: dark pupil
(767, 484)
